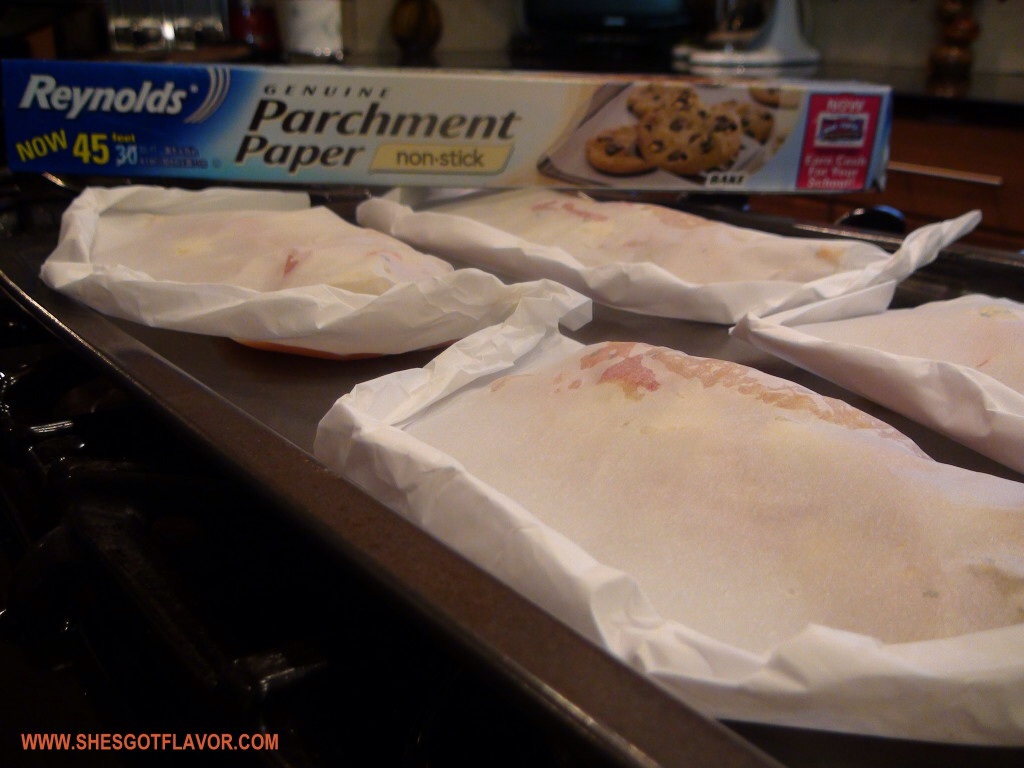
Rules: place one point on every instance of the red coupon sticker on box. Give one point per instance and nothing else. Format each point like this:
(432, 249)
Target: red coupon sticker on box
(839, 141)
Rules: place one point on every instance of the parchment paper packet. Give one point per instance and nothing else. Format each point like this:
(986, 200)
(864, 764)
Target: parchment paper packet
(956, 366)
(652, 259)
(266, 268)
(693, 516)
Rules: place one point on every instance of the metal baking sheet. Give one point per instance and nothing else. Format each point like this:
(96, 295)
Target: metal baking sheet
(257, 412)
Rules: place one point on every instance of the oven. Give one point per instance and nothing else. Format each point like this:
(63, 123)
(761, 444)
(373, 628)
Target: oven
(176, 566)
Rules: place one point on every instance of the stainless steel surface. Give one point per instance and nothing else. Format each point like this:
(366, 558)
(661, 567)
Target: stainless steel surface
(256, 413)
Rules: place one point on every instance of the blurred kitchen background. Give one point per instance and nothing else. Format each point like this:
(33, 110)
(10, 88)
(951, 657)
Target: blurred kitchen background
(882, 33)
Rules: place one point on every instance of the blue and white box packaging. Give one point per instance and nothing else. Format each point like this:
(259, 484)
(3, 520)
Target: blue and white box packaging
(391, 127)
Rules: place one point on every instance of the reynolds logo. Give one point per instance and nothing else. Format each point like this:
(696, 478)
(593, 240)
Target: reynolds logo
(45, 92)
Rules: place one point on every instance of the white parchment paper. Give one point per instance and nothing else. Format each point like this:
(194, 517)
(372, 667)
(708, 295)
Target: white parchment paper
(315, 318)
(646, 287)
(955, 366)
(966, 689)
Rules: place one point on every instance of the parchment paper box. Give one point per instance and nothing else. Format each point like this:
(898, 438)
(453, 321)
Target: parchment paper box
(395, 127)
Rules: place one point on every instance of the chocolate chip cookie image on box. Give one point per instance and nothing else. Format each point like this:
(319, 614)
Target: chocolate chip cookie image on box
(769, 96)
(691, 142)
(657, 130)
(756, 121)
(614, 151)
(644, 100)
(775, 97)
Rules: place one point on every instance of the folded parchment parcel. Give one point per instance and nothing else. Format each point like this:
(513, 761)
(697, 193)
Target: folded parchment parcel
(262, 250)
(976, 331)
(745, 506)
(694, 249)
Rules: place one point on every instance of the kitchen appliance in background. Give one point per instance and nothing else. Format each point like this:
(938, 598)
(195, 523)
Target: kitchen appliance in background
(601, 34)
(137, 26)
(311, 31)
(755, 35)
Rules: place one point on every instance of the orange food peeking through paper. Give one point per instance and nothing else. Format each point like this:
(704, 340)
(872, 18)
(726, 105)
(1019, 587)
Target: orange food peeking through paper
(635, 369)
(632, 376)
(569, 206)
(731, 505)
